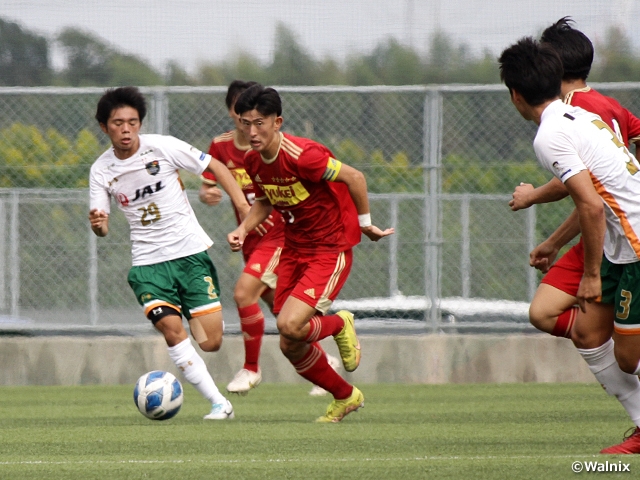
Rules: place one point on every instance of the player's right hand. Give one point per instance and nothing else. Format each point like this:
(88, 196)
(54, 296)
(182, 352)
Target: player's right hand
(97, 217)
(520, 196)
(236, 239)
(543, 256)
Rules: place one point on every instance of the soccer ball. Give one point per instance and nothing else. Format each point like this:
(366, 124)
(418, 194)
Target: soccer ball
(158, 395)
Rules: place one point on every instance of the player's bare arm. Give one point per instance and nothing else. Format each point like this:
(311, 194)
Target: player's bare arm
(357, 184)
(526, 195)
(543, 256)
(592, 225)
(99, 221)
(229, 185)
(259, 212)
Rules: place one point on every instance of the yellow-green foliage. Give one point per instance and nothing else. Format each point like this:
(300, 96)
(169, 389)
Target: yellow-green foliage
(31, 158)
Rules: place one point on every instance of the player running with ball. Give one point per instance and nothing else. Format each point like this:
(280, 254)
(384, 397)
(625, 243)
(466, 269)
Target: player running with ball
(325, 208)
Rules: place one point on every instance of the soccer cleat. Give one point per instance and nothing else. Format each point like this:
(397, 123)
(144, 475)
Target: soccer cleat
(630, 443)
(244, 381)
(339, 408)
(348, 343)
(317, 391)
(221, 411)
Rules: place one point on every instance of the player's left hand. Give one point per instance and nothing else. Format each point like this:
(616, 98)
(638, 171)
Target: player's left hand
(375, 234)
(210, 195)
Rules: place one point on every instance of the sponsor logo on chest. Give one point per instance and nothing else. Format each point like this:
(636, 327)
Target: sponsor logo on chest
(285, 195)
(141, 193)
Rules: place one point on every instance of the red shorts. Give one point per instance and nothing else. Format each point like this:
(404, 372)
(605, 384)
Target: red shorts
(316, 279)
(262, 263)
(567, 272)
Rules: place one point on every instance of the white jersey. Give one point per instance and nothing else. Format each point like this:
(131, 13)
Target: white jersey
(570, 140)
(147, 188)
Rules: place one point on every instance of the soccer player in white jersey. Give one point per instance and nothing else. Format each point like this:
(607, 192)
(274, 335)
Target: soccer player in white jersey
(603, 180)
(172, 274)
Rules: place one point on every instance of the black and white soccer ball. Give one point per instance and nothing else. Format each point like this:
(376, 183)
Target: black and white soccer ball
(158, 395)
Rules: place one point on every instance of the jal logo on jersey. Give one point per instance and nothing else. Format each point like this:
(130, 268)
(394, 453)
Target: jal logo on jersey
(141, 193)
(153, 167)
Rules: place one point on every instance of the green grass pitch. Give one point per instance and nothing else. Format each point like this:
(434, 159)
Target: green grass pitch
(498, 431)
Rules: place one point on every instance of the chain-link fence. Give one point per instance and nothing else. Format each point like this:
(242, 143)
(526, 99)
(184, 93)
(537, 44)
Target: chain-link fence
(440, 163)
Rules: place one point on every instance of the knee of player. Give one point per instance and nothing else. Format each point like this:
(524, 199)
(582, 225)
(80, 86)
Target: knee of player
(289, 329)
(628, 361)
(211, 344)
(540, 318)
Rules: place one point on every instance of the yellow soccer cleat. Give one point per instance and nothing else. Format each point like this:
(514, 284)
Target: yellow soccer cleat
(348, 343)
(339, 408)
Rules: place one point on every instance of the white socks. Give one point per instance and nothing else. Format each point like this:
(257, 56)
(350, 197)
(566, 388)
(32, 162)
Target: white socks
(195, 370)
(625, 387)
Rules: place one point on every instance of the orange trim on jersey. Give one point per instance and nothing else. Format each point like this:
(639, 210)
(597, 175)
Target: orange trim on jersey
(157, 304)
(620, 213)
(627, 331)
(206, 311)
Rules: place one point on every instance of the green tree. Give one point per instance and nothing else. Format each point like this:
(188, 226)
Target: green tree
(91, 62)
(32, 158)
(618, 62)
(292, 64)
(24, 57)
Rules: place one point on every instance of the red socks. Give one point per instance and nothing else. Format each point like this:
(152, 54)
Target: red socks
(315, 368)
(323, 326)
(252, 326)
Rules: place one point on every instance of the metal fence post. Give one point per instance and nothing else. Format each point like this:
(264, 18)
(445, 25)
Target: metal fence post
(393, 248)
(14, 254)
(3, 256)
(160, 112)
(431, 172)
(465, 257)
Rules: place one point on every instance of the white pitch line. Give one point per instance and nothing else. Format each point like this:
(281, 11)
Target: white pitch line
(297, 460)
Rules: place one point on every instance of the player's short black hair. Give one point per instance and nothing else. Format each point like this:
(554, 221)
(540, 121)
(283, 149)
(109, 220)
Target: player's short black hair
(533, 69)
(265, 100)
(120, 97)
(235, 89)
(573, 46)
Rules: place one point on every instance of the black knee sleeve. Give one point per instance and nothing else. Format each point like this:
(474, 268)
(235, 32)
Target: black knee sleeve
(158, 313)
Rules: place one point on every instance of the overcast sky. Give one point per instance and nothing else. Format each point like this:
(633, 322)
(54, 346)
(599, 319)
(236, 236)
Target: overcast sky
(196, 31)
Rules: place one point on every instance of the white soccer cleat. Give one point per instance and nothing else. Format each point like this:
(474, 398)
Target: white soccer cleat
(244, 381)
(317, 391)
(221, 411)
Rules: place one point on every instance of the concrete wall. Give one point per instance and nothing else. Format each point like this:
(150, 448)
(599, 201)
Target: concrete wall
(402, 359)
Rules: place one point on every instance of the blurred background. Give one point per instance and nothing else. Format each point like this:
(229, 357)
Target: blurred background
(406, 91)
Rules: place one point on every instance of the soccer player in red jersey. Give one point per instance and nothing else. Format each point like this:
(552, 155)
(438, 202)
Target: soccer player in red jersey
(261, 248)
(553, 309)
(325, 207)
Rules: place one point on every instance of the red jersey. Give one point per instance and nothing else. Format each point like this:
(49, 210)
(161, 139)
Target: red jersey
(226, 150)
(319, 214)
(622, 121)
